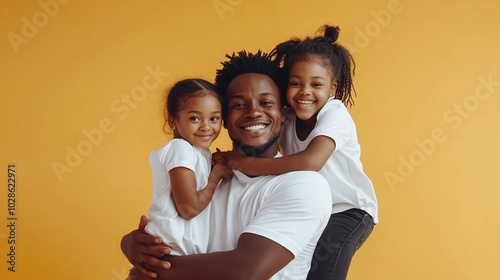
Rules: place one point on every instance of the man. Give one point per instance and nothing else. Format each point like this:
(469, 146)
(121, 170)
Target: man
(262, 227)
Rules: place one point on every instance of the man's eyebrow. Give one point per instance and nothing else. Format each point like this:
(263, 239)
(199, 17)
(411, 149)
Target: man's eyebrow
(274, 97)
(266, 94)
(241, 96)
(236, 96)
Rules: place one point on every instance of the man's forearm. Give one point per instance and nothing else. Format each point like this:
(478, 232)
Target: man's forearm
(219, 265)
(255, 258)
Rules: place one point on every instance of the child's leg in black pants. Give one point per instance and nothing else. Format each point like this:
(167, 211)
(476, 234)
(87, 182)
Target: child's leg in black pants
(345, 233)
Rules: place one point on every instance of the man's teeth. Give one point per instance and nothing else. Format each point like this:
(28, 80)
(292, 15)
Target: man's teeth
(255, 127)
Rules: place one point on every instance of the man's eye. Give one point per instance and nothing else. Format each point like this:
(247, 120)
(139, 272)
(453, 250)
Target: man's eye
(238, 105)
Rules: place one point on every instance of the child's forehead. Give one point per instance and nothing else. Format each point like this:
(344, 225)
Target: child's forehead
(201, 94)
(200, 99)
(320, 60)
(313, 58)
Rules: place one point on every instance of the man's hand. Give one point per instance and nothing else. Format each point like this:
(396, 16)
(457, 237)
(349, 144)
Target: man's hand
(141, 248)
(135, 274)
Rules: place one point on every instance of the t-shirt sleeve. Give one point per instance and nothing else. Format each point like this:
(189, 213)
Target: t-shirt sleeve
(177, 153)
(295, 212)
(335, 122)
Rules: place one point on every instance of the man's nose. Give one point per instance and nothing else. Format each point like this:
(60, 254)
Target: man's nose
(254, 110)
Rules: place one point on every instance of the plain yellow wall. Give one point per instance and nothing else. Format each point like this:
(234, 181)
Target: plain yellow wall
(81, 90)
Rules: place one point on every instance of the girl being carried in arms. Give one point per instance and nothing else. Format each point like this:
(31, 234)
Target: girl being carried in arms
(320, 135)
(183, 179)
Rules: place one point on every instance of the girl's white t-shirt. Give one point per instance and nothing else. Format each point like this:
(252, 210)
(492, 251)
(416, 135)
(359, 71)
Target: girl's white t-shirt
(185, 237)
(350, 186)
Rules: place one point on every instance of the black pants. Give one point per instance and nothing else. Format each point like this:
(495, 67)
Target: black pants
(345, 233)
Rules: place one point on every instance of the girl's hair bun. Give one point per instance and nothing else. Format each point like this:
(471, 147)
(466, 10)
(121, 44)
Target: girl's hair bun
(330, 33)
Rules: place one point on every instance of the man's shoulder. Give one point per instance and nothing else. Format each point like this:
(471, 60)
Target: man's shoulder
(285, 179)
(306, 184)
(300, 177)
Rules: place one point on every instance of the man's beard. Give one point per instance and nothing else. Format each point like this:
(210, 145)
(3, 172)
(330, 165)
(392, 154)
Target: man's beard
(255, 151)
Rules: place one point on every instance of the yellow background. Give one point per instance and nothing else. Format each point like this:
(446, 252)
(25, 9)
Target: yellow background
(427, 118)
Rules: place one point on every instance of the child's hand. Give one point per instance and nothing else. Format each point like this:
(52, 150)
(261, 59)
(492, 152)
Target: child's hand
(219, 156)
(220, 171)
(235, 160)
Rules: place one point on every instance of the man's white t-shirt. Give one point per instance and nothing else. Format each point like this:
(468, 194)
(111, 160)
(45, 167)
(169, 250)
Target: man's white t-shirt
(350, 187)
(185, 237)
(291, 209)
